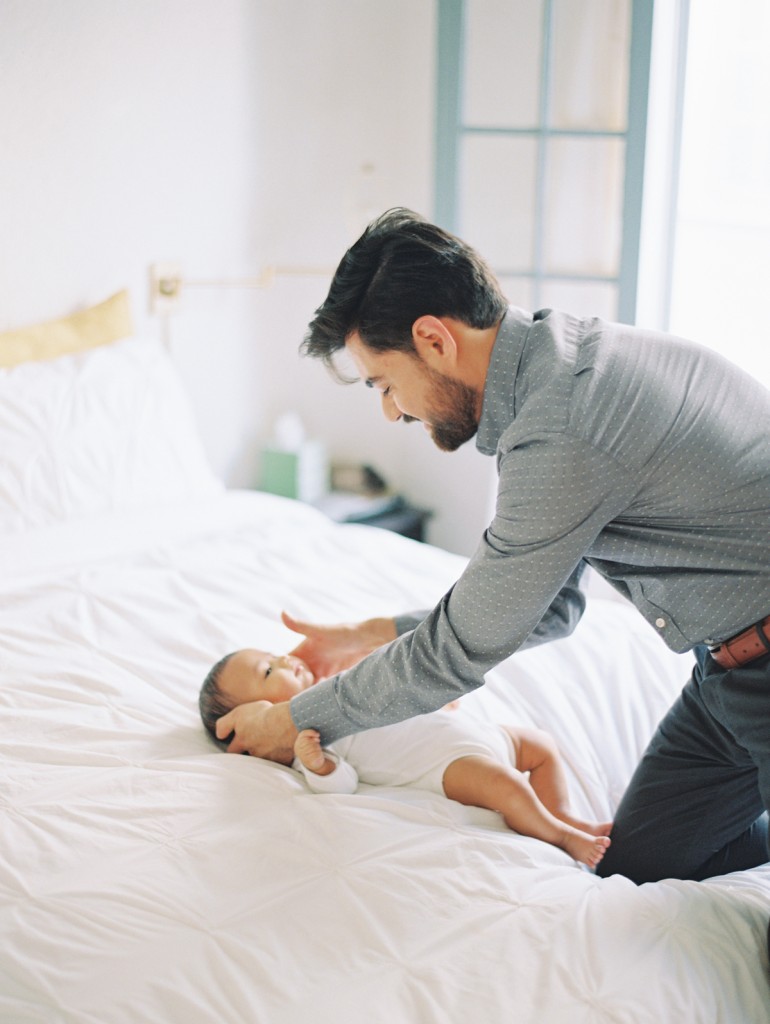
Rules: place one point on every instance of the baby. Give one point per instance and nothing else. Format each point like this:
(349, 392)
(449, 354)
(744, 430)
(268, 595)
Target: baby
(444, 752)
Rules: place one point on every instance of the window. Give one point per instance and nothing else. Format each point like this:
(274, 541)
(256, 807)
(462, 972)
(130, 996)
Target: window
(540, 144)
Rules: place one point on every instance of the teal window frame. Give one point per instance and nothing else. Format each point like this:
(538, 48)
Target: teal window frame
(450, 131)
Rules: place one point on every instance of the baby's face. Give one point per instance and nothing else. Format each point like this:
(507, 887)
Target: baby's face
(258, 675)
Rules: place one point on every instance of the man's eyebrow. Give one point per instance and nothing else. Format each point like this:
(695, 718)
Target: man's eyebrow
(371, 381)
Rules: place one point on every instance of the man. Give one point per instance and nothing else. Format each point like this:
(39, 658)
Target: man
(641, 454)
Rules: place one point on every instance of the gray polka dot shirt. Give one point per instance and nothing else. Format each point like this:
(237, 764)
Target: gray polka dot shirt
(641, 454)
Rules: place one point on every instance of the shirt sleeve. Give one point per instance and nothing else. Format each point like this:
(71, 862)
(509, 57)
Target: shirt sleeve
(556, 493)
(560, 619)
(344, 778)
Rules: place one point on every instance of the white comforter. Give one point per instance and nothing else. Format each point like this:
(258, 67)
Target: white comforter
(145, 876)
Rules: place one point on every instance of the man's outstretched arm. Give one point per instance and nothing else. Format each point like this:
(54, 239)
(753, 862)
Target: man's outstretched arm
(328, 650)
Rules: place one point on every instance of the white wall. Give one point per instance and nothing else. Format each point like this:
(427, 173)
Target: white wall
(128, 137)
(225, 135)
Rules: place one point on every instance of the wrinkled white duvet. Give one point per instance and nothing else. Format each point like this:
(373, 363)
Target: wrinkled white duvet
(147, 877)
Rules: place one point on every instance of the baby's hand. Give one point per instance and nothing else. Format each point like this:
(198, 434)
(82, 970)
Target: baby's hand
(307, 748)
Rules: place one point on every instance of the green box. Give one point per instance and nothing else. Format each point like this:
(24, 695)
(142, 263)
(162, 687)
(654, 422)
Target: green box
(280, 472)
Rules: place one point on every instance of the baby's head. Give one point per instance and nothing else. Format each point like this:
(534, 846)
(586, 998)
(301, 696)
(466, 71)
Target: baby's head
(248, 675)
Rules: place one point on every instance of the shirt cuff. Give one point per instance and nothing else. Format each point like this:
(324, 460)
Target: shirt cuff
(318, 708)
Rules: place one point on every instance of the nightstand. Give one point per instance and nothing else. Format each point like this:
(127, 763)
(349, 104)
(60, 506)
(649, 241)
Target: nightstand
(388, 512)
(406, 520)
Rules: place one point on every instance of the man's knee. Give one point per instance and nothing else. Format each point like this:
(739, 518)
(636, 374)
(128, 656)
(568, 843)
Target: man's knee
(638, 863)
(653, 857)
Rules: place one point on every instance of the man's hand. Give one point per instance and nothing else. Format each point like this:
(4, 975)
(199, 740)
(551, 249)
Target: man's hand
(261, 729)
(328, 650)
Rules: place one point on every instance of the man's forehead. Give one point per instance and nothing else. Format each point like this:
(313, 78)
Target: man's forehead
(368, 362)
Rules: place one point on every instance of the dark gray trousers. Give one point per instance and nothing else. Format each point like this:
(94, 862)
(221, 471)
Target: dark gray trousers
(696, 804)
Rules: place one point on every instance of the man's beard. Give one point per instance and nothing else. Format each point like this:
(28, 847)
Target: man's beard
(452, 412)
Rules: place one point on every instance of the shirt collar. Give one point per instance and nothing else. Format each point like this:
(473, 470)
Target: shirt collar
(499, 406)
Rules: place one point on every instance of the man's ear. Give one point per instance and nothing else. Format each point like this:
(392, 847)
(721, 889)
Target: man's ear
(434, 341)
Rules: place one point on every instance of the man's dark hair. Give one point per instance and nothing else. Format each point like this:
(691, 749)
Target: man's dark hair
(400, 269)
(211, 702)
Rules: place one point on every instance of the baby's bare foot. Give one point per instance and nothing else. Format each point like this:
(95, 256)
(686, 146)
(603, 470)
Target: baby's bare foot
(593, 828)
(584, 847)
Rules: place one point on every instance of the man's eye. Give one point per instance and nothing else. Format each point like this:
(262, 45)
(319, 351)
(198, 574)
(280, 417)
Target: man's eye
(386, 391)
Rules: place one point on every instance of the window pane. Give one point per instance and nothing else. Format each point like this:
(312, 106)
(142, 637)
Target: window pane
(502, 63)
(518, 290)
(582, 298)
(583, 206)
(497, 199)
(589, 86)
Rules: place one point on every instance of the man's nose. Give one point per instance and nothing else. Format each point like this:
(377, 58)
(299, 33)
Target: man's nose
(390, 410)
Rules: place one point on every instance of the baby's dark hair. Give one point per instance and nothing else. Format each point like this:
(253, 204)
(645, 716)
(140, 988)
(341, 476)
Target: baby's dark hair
(212, 703)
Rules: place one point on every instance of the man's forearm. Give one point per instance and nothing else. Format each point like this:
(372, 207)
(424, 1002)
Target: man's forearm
(420, 671)
(318, 708)
(562, 615)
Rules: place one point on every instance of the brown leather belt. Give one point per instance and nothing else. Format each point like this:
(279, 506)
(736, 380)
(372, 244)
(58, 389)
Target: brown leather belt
(744, 647)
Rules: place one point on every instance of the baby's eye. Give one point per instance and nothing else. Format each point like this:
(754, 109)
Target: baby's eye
(268, 670)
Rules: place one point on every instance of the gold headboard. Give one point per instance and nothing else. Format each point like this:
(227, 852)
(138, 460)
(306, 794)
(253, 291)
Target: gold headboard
(108, 321)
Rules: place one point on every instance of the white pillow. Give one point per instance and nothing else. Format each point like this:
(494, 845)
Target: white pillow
(108, 429)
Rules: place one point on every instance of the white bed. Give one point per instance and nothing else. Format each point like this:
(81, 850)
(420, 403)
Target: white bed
(146, 876)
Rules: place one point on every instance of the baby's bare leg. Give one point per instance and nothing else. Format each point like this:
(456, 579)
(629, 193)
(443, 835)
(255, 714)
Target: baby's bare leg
(537, 753)
(481, 782)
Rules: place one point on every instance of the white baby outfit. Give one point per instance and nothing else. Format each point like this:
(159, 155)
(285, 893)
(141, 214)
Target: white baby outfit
(415, 753)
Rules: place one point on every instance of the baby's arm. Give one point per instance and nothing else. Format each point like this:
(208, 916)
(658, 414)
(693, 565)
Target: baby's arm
(324, 771)
(312, 755)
